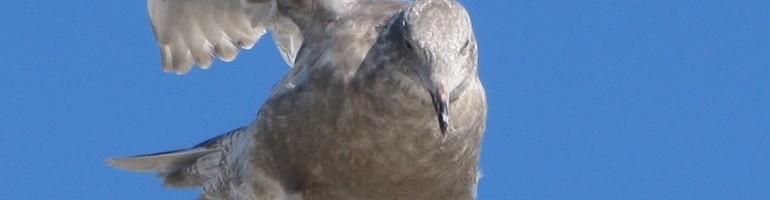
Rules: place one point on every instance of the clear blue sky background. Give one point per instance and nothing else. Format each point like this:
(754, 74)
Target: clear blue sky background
(588, 100)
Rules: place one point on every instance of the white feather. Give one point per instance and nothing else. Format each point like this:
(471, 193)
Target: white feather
(196, 31)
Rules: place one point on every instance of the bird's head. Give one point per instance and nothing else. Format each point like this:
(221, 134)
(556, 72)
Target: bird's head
(437, 39)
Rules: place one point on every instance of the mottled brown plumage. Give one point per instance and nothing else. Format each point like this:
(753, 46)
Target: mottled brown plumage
(383, 102)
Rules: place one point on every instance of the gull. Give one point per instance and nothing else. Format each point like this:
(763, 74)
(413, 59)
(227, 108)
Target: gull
(383, 100)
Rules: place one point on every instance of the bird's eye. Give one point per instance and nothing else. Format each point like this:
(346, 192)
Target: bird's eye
(465, 46)
(408, 45)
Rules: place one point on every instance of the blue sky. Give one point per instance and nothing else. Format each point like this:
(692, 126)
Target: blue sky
(588, 100)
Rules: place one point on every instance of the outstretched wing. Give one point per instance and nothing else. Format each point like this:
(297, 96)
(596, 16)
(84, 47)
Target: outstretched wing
(196, 31)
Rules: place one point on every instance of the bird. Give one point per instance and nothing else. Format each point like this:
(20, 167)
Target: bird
(382, 100)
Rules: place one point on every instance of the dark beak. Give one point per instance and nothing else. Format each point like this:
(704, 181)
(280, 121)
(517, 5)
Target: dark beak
(441, 105)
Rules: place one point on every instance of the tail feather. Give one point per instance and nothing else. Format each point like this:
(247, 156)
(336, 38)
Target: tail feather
(188, 167)
(160, 162)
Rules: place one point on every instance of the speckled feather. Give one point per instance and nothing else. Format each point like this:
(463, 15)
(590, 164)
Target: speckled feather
(355, 118)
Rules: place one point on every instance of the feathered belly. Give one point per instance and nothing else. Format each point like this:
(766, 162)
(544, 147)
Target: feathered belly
(386, 148)
(390, 156)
